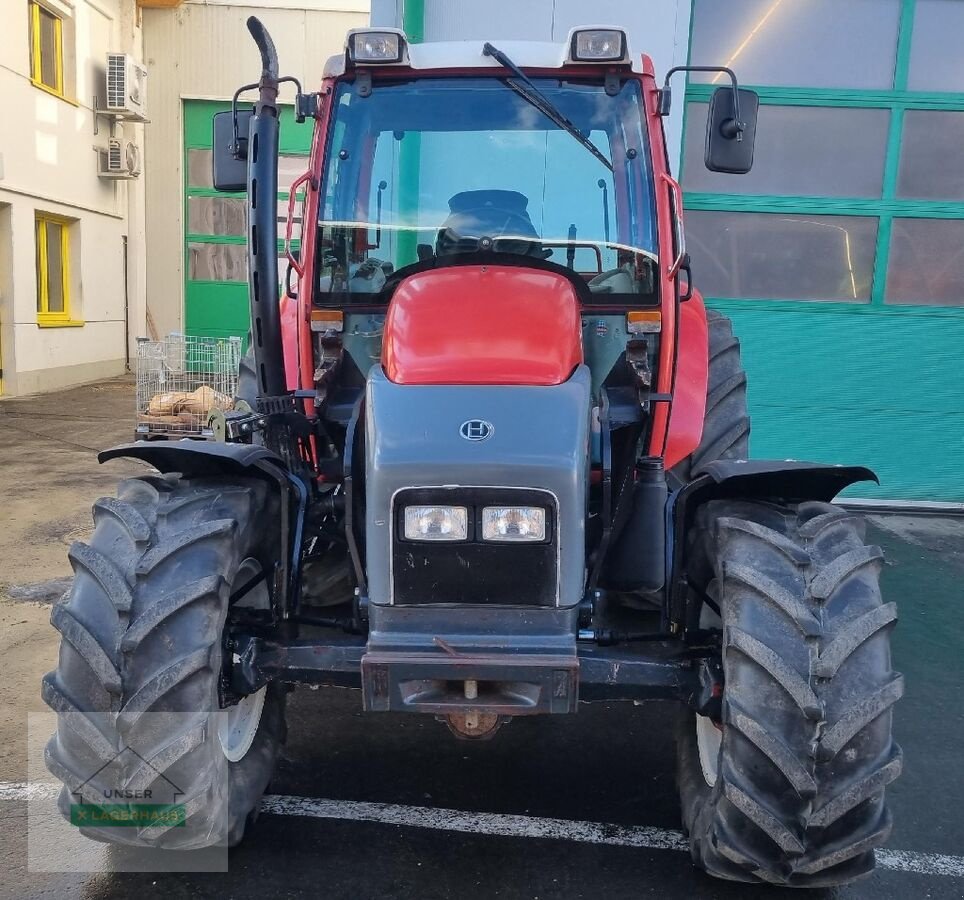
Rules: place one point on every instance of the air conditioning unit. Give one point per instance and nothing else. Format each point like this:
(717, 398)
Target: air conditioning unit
(121, 160)
(126, 86)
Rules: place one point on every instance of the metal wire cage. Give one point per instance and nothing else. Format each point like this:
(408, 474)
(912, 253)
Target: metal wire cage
(184, 381)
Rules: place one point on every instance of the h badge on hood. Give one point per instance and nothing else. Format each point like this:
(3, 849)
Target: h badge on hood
(476, 430)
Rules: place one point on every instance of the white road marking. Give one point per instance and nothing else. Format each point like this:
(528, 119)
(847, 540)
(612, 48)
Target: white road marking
(476, 823)
(643, 837)
(921, 863)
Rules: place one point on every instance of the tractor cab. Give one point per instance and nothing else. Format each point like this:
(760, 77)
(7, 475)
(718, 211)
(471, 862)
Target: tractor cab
(435, 166)
(475, 201)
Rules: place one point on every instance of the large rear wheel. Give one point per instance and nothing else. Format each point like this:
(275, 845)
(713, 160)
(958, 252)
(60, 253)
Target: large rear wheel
(788, 786)
(726, 423)
(137, 685)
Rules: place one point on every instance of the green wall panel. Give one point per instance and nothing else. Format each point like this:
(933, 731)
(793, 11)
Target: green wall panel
(220, 308)
(216, 309)
(294, 138)
(882, 390)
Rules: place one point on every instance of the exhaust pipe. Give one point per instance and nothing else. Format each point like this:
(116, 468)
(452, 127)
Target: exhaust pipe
(263, 223)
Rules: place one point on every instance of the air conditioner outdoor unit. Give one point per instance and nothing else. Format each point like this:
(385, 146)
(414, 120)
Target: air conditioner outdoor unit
(126, 86)
(121, 160)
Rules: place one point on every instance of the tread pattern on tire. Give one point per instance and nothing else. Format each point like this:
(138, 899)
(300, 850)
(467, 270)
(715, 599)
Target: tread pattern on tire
(141, 633)
(807, 747)
(726, 423)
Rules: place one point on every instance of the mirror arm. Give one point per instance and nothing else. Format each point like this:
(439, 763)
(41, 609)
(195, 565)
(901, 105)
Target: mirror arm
(239, 150)
(305, 105)
(731, 128)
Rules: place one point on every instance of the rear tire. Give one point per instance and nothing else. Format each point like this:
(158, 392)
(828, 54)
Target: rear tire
(806, 748)
(726, 424)
(141, 659)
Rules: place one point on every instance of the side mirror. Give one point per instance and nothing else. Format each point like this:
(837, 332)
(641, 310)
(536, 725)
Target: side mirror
(229, 154)
(731, 130)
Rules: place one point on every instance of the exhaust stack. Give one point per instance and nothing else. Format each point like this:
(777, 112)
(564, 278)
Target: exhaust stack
(262, 221)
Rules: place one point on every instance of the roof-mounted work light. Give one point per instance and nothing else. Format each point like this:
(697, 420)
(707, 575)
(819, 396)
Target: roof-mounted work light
(600, 45)
(374, 48)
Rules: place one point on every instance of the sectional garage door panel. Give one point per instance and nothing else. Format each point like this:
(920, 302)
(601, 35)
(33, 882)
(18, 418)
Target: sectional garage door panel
(215, 237)
(840, 257)
(886, 391)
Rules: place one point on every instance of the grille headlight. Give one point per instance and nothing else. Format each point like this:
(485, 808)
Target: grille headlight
(513, 523)
(599, 45)
(436, 523)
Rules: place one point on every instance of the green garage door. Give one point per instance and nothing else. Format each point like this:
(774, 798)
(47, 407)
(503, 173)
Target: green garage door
(840, 257)
(215, 245)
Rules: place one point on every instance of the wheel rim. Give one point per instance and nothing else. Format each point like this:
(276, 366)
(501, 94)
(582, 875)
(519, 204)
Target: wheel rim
(238, 724)
(709, 738)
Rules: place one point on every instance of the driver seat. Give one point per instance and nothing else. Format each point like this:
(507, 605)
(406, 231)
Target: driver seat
(488, 213)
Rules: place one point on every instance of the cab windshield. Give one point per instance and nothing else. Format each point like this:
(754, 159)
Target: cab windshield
(423, 170)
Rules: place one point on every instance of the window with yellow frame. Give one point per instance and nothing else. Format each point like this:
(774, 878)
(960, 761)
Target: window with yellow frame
(46, 49)
(53, 271)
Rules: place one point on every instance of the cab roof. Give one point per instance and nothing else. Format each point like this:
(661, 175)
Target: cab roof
(440, 55)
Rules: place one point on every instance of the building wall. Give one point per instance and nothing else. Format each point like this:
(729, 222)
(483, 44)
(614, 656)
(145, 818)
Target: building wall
(48, 163)
(202, 51)
(840, 257)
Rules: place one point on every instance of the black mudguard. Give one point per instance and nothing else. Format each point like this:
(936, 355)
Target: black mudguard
(203, 459)
(785, 480)
(196, 459)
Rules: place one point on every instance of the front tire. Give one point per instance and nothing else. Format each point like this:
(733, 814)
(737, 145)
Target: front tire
(797, 796)
(141, 659)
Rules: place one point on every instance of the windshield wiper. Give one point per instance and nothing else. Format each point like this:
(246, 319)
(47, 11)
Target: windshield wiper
(530, 93)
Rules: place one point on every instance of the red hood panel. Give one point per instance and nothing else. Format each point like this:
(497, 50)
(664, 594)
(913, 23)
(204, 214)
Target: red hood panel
(482, 325)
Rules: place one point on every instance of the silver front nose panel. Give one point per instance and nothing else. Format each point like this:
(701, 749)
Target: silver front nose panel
(538, 437)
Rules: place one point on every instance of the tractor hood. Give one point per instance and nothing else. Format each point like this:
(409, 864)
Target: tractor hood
(486, 324)
(476, 446)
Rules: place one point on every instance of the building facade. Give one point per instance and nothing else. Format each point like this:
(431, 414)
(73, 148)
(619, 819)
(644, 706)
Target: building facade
(840, 257)
(197, 55)
(71, 241)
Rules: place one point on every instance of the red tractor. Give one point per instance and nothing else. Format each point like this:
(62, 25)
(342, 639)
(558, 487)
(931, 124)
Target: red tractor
(492, 460)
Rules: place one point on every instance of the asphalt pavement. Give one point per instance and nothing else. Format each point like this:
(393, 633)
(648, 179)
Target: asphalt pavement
(392, 806)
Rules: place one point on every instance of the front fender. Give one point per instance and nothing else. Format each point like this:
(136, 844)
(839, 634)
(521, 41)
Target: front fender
(787, 480)
(195, 459)
(203, 459)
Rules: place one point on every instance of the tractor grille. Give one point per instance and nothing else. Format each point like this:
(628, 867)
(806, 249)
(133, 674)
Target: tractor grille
(475, 572)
